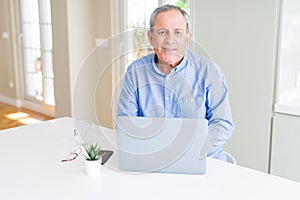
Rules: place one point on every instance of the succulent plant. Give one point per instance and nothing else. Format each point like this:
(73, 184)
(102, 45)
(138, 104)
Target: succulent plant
(92, 151)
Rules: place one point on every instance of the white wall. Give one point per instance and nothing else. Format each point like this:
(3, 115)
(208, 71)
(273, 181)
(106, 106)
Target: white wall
(76, 25)
(73, 38)
(7, 63)
(61, 60)
(240, 36)
(81, 18)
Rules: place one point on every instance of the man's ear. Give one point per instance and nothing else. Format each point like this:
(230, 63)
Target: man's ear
(150, 37)
(189, 36)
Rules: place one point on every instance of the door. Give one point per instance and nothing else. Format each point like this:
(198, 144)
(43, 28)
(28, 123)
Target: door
(36, 50)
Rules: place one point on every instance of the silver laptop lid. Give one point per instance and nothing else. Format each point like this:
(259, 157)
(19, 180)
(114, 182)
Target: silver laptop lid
(171, 145)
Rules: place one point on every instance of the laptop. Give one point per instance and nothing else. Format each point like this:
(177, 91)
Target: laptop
(164, 145)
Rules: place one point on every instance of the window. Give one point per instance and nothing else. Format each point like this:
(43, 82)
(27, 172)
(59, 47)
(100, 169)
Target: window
(288, 87)
(36, 28)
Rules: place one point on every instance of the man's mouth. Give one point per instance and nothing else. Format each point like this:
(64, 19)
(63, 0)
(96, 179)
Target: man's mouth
(171, 50)
(168, 49)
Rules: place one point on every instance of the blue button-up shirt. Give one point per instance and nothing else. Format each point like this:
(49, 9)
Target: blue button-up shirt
(196, 88)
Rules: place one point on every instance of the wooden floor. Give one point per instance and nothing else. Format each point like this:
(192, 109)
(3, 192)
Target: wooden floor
(11, 116)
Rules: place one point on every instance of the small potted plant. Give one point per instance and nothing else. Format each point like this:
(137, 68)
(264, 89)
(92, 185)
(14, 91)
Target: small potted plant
(93, 159)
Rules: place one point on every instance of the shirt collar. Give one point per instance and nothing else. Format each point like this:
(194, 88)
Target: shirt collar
(176, 69)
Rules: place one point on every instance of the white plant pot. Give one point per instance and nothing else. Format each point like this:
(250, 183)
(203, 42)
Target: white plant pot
(93, 167)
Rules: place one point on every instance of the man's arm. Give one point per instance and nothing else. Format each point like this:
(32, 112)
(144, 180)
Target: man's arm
(218, 114)
(127, 105)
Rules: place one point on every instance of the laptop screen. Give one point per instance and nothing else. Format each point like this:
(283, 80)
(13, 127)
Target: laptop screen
(170, 145)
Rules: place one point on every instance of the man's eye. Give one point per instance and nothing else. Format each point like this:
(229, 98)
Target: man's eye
(162, 32)
(178, 33)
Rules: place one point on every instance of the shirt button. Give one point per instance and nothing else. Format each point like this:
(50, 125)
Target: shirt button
(168, 98)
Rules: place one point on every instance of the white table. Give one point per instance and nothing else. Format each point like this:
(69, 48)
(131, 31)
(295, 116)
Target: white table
(30, 168)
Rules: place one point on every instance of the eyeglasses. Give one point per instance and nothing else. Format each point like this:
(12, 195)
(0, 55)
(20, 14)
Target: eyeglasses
(72, 155)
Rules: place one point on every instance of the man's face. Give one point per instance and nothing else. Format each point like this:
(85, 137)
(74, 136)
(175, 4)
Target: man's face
(169, 37)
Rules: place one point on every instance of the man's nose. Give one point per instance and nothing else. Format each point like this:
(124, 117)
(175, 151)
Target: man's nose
(170, 37)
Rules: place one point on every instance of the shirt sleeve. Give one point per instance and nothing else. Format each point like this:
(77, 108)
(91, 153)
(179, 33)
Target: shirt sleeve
(127, 105)
(218, 112)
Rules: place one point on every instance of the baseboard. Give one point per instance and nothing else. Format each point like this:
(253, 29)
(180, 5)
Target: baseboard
(39, 108)
(43, 109)
(10, 101)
